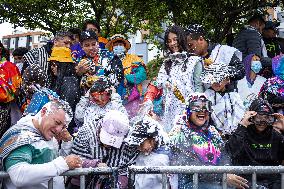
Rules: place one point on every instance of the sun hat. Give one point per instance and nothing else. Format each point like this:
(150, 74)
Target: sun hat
(115, 38)
(215, 73)
(61, 54)
(114, 128)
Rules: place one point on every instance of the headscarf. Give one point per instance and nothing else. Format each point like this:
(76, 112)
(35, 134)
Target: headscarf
(247, 64)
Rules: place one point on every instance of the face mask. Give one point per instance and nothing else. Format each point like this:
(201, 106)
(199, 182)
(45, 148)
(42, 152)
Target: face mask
(119, 50)
(256, 66)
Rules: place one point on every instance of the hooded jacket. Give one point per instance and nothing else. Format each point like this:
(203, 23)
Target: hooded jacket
(247, 147)
(199, 146)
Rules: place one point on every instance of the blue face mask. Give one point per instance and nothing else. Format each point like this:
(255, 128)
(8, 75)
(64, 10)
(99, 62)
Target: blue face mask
(118, 50)
(256, 66)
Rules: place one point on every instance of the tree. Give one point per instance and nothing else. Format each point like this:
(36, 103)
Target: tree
(128, 16)
(217, 16)
(114, 16)
(47, 15)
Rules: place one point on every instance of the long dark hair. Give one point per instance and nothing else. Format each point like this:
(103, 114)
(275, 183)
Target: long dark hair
(181, 38)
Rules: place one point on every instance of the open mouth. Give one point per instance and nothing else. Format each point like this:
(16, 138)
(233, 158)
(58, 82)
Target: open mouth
(201, 117)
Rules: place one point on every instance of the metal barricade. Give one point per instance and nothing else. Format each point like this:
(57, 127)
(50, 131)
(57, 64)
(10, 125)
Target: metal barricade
(82, 172)
(164, 170)
(195, 170)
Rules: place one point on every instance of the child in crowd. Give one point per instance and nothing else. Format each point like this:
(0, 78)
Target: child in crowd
(100, 143)
(228, 108)
(149, 137)
(101, 98)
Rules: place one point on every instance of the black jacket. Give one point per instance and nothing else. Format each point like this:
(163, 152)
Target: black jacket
(246, 147)
(248, 41)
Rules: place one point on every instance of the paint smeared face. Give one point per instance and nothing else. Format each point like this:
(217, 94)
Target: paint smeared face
(100, 98)
(172, 42)
(147, 146)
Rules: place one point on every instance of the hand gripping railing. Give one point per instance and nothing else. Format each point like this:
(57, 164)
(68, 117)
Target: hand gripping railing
(86, 171)
(82, 172)
(195, 170)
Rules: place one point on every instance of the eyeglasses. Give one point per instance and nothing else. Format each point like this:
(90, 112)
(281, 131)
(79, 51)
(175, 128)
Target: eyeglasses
(200, 106)
(263, 119)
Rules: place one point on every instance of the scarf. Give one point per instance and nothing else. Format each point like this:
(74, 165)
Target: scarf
(20, 134)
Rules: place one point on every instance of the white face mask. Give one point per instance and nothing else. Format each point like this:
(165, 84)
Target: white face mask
(256, 66)
(118, 50)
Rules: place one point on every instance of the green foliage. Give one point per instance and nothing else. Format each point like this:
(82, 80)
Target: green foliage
(218, 17)
(153, 67)
(48, 15)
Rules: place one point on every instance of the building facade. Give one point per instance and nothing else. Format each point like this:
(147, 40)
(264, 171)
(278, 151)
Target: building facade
(30, 40)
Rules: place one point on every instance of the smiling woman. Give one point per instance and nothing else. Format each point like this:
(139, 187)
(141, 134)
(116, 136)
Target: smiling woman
(178, 75)
(194, 141)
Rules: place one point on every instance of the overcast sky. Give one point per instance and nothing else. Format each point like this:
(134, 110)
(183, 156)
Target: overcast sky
(7, 29)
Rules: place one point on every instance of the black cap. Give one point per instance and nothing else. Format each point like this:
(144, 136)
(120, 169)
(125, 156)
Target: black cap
(100, 85)
(260, 105)
(88, 34)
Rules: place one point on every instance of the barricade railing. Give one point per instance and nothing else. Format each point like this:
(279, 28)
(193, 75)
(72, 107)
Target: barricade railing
(165, 170)
(195, 170)
(82, 172)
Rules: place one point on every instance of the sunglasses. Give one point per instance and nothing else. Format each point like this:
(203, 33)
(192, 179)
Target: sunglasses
(263, 119)
(200, 106)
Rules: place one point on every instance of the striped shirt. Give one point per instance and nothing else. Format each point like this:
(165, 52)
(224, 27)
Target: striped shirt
(87, 145)
(38, 56)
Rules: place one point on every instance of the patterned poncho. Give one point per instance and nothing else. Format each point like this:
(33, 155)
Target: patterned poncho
(273, 89)
(195, 145)
(104, 64)
(181, 77)
(10, 80)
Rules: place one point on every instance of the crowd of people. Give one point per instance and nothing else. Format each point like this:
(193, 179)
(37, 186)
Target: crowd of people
(80, 101)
